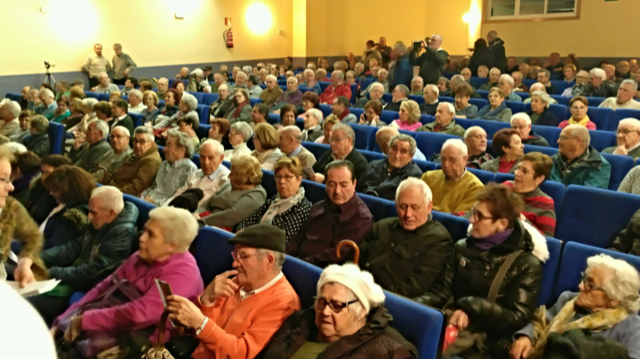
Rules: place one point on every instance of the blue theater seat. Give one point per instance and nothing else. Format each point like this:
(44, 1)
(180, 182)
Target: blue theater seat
(479, 102)
(315, 192)
(303, 277)
(594, 216)
(203, 130)
(203, 113)
(446, 99)
(137, 118)
(483, 94)
(477, 81)
(387, 97)
(196, 160)
(550, 270)
(621, 114)
(484, 176)
(549, 151)
(254, 101)
(416, 98)
(430, 143)
(388, 116)
(92, 94)
(212, 252)
(104, 97)
(316, 148)
(554, 190)
(595, 101)
(620, 166)
(491, 126)
(13, 96)
(144, 208)
(523, 95)
(425, 165)
(380, 208)
(551, 134)
(574, 261)
(561, 85)
(514, 106)
(371, 155)
(326, 109)
(529, 82)
(56, 138)
(269, 183)
(356, 111)
(560, 111)
(365, 136)
(457, 226)
(561, 100)
(209, 98)
(601, 139)
(425, 119)
(274, 118)
(199, 96)
(324, 84)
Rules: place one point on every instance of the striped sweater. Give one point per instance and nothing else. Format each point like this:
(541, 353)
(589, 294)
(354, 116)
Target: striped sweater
(539, 210)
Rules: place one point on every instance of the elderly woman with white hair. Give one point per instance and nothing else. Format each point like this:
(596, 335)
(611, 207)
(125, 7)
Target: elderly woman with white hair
(187, 107)
(239, 135)
(310, 81)
(136, 104)
(10, 114)
(348, 320)
(224, 102)
(605, 307)
(312, 128)
(163, 255)
(540, 113)
(376, 91)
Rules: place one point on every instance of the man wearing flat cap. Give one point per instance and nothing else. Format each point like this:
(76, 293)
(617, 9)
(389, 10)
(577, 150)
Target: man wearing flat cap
(241, 309)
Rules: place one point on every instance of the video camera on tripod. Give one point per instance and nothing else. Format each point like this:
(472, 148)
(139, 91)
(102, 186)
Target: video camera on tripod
(48, 78)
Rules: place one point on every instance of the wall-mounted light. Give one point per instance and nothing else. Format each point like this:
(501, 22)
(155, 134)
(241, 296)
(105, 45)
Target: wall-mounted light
(258, 18)
(179, 16)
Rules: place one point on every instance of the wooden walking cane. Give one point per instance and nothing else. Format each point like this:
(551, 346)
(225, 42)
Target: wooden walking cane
(352, 244)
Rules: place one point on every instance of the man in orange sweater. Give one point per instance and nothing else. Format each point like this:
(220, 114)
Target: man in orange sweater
(236, 317)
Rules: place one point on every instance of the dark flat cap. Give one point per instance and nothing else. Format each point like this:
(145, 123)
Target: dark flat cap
(261, 236)
(207, 68)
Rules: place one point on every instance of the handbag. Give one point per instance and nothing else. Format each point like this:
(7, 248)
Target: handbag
(159, 351)
(468, 341)
(90, 344)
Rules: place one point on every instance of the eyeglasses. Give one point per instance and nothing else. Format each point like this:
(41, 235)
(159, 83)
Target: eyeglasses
(337, 139)
(240, 256)
(588, 285)
(479, 216)
(286, 178)
(565, 137)
(625, 131)
(140, 142)
(336, 306)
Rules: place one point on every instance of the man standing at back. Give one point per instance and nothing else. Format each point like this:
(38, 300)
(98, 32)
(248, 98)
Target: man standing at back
(122, 65)
(496, 46)
(432, 61)
(95, 65)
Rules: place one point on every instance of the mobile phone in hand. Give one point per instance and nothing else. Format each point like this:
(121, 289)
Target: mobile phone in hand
(417, 45)
(165, 291)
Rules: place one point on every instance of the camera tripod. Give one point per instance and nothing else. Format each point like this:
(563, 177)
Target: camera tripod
(49, 79)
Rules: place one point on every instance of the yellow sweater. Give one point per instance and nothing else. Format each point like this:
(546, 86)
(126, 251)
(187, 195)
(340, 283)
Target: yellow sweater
(453, 197)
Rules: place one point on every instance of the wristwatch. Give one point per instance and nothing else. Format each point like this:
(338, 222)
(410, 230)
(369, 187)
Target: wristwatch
(201, 328)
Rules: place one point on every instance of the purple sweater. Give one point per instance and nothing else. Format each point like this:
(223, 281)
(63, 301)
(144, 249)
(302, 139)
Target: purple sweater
(179, 270)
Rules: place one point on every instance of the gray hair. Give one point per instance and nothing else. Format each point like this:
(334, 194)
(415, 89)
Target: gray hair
(404, 138)
(89, 102)
(137, 93)
(247, 69)
(293, 79)
(117, 46)
(635, 123)
(457, 80)
(540, 85)
(295, 131)
(314, 112)
(450, 106)
(13, 107)
(623, 284)
(400, 46)
(119, 128)
(507, 78)
(145, 131)
(521, 116)
(546, 72)
(580, 132)
(404, 89)
(111, 196)
(278, 257)
(471, 129)
(198, 72)
(47, 93)
(544, 97)
(244, 129)
(339, 74)
(183, 141)
(433, 88)
(217, 146)
(241, 74)
(494, 70)
(634, 85)
(416, 78)
(101, 126)
(178, 226)
(412, 182)
(457, 143)
(40, 123)
(599, 73)
(163, 80)
(272, 78)
(348, 131)
(190, 100)
(308, 70)
(377, 84)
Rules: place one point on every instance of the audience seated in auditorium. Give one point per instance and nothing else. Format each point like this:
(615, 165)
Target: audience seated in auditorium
(628, 240)
(220, 106)
(130, 84)
(24, 119)
(453, 186)
(259, 115)
(240, 107)
(25, 167)
(409, 116)
(340, 108)
(399, 95)
(605, 310)
(581, 82)
(430, 95)
(382, 177)
(540, 114)
(321, 75)
(494, 77)
(266, 141)
(506, 84)
(417, 86)
(62, 109)
(445, 122)
(35, 104)
(120, 116)
(253, 88)
(219, 131)
(539, 87)
(401, 70)
(371, 53)
(292, 96)
(343, 215)
(481, 56)
(539, 210)
(288, 115)
(309, 100)
(136, 105)
(496, 237)
(38, 201)
(466, 74)
(219, 78)
(343, 140)
(443, 84)
(310, 82)
(312, 129)
(259, 293)
(628, 139)
(90, 146)
(270, 95)
(356, 324)
(327, 125)
(163, 86)
(521, 122)
(508, 147)
(462, 106)
(104, 84)
(577, 162)
(174, 170)
(172, 99)
(569, 72)
(103, 112)
(198, 82)
(183, 74)
(38, 141)
(188, 125)
(289, 208)
(151, 112)
(496, 109)
(544, 77)
(432, 61)
(624, 99)
(337, 89)
(384, 136)
(115, 157)
(371, 115)
(578, 106)
(90, 257)
(71, 187)
(239, 134)
(24, 97)
(291, 145)
(9, 114)
(518, 85)
(164, 256)
(483, 72)
(237, 198)
(598, 86)
(376, 90)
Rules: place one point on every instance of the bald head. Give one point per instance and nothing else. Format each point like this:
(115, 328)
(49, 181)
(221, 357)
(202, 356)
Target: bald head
(383, 136)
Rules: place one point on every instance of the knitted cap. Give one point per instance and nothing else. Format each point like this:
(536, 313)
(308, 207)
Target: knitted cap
(361, 283)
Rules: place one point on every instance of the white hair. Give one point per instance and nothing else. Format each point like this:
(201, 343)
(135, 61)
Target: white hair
(494, 70)
(308, 70)
(163, 80)
(247, 69)
(623, 284)
(137, 93)
(541, 86)
(471, 129)
(47, 93)
(314, 112)
(241, 74)
(295, 131)
(457, 143)
(103, 74)
(145, 131)
(633, 122)
(244, 129)
(599, 73)
(89, 102)
(634, 85)
(15, 147)
(412, 182)
(123, 129)
(437, 36)
(508, 78)
(111, 196)
(13, 107)
(416, 78)
(433, 88)
(580, 132)
(521, 116)
(452, 109)
(178, 225)
(217, 146)
(272, 77)
(197, 72)
(377, 84)
(293, 79)
(544, 97)
(100, 126)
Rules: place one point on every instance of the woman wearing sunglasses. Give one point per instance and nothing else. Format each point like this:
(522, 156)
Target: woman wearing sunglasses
(480, 311)
(348, 320)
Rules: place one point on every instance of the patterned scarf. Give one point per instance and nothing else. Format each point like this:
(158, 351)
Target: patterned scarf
(594, 322)
(582, 122)
(486, 111)
(281, 205)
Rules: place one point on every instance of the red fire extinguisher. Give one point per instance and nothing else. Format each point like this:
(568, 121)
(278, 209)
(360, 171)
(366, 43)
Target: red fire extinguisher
(228, 38)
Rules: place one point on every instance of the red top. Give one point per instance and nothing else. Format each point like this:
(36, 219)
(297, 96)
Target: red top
(504, 166)
(331, 93)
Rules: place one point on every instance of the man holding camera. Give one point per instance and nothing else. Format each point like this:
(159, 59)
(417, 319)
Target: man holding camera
(432, 59)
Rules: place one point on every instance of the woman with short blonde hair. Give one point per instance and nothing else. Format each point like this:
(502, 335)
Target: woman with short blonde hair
(266, 141)
(409, 116)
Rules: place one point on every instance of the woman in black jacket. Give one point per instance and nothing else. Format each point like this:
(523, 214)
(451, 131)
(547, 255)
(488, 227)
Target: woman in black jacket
(463, 288)
(540, 113)
(481, 56)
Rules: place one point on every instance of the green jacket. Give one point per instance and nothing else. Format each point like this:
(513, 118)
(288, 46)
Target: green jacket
(84, 261)
(451, 129)
(595, 171)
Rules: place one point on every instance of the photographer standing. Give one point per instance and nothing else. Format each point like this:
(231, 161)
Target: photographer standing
(432, 61)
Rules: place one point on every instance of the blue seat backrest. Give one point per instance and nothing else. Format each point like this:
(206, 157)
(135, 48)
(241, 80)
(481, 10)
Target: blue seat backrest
(203, 113)
(13, 96)
(465, 123)
(56, 137)
(209, 98)
(196, 160)
(430, 143)
(269, 183)
(620, 166)
(365, 136)
(425, 119)
(137, 118)
(549, 151)
(275, 118)
(326, 110)
(144, 208)
(212, 252)
(315, 192)
(479, 102)
(600, 116)
(387, 97)
(254, 101)
(561, 85)
(483, 94)
(561, 100)
(561, 112)
(594, 216)
(446, 99)
(514, 106)
(523, 95)
(574, 261)
(601, 139)
(203, 130)
(621, 114)
(457, 226)
(92, 94)
(388, 116)
(356, 111)
(477, 81)
(371, 155)
(199, 96)
(283, 87)
(425, 165)
(316, 148)
(550, 270)
(380, 208)
(484, 176)
(354, 92)
(104, 97)
(528, 82)
(364, 83)
(595, 101)
(551, 134)
(416, 98)
(303, 277)
(282, 82)
(324, 84)
(262, 86)
(555, 190)
(491, 127)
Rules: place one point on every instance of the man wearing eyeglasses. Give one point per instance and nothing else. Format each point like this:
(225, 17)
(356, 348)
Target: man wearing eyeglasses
(628, 139)
(241, 309)
(342, 148)
(624, 98)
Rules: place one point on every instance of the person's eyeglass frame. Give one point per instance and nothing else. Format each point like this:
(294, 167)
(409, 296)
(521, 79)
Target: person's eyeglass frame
(479, 216)
(588, 285)
(241, 257)
(334, 305)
